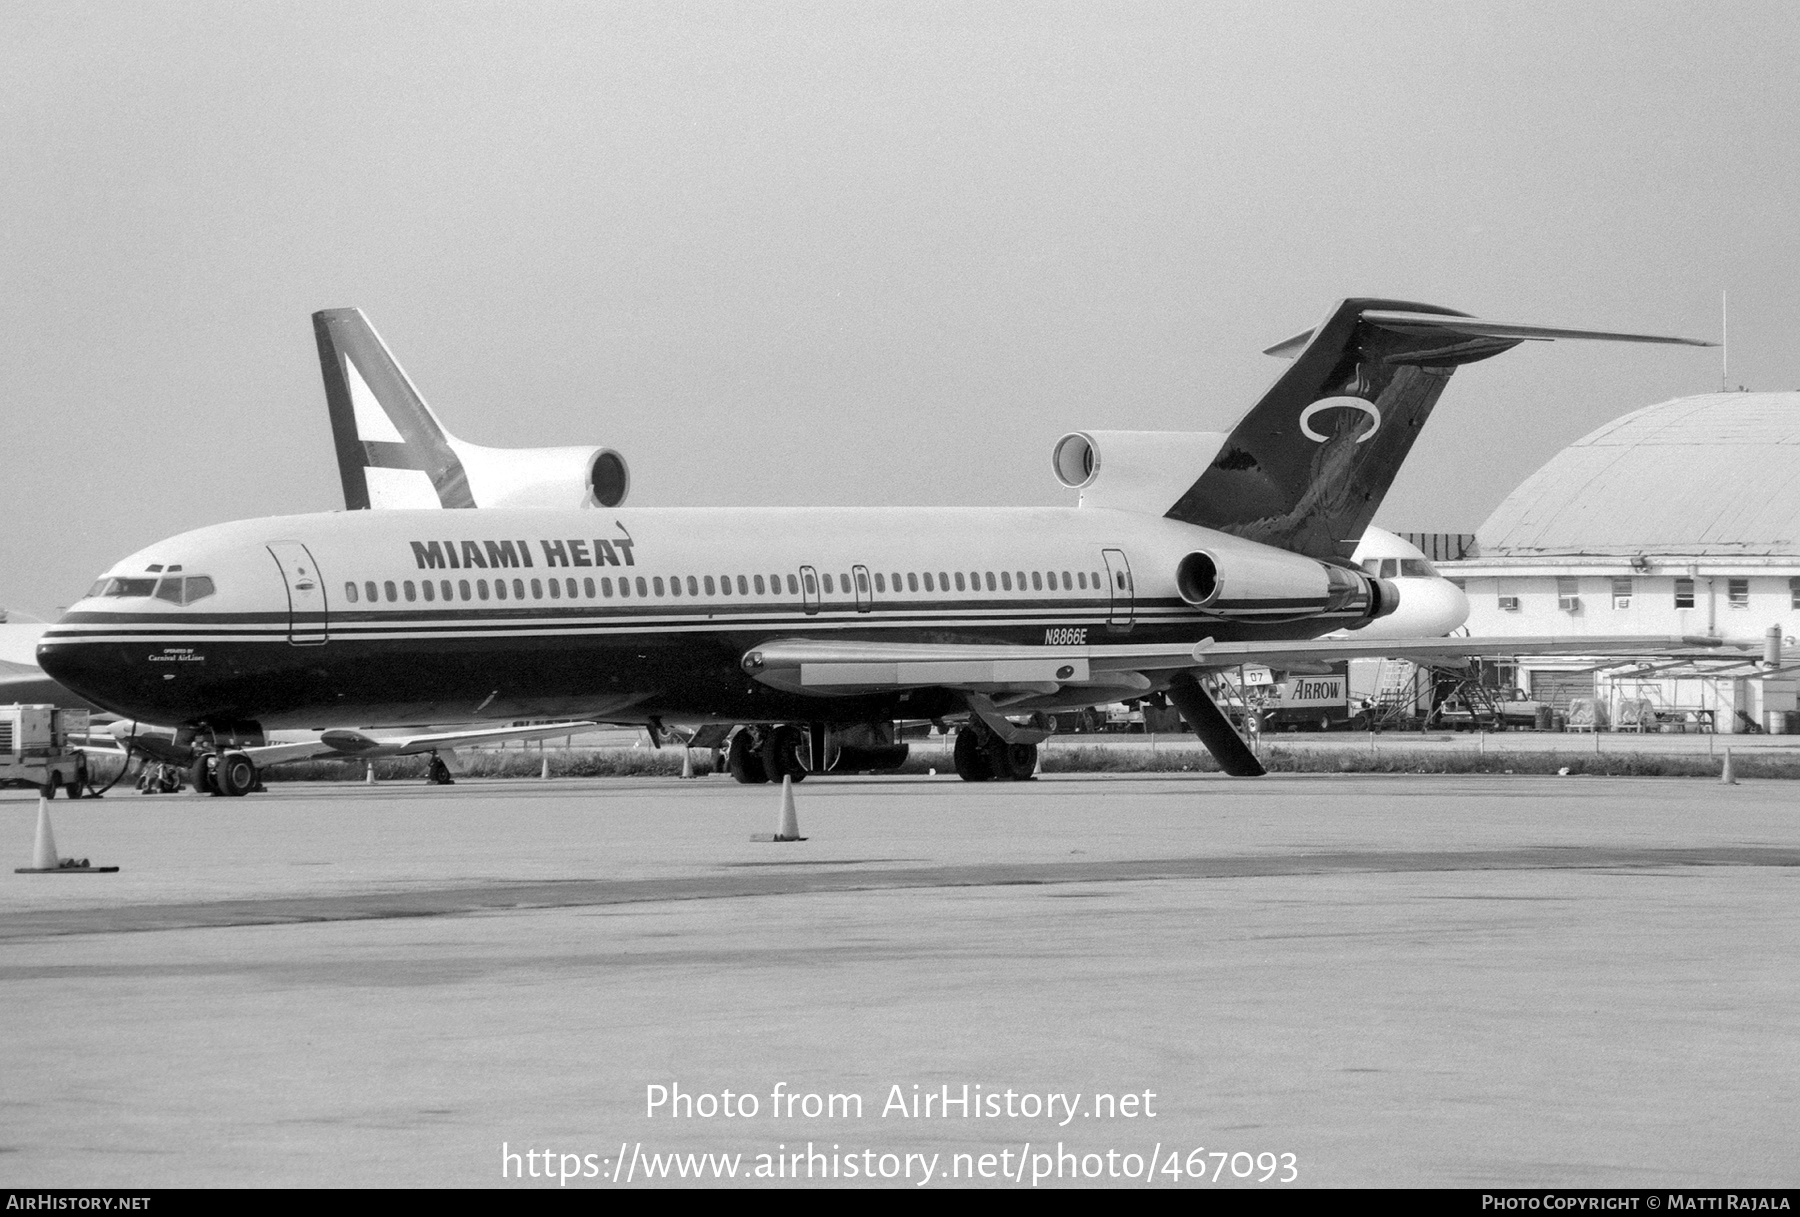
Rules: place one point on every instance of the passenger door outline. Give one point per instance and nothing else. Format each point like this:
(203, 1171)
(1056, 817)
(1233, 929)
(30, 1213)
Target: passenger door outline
(809, 589)
(865, 593)
(1118, 586)
(309, 616)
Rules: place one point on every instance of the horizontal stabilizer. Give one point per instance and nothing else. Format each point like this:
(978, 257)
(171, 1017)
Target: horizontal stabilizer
(1419, 324)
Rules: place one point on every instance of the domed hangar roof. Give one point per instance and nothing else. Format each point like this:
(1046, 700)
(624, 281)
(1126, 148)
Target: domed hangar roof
(1717, 474)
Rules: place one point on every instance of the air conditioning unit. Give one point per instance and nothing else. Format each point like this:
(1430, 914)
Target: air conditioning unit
(1569, 604)
(1509, 604)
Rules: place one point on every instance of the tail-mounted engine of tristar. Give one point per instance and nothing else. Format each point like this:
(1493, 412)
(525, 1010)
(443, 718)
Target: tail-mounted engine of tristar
(393, 452)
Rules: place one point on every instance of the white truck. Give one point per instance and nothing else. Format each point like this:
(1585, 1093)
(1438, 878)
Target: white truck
(35, 749)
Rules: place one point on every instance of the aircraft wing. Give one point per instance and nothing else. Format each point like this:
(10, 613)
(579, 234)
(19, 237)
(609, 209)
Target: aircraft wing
(345, 742)
(826, 669)
(275, 754)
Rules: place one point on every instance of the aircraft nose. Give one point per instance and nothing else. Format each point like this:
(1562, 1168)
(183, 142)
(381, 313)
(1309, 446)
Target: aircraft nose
(1432, 606)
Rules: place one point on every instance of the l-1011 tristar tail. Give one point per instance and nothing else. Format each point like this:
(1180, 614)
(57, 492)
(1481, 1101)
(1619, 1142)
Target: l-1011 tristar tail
(1307, 467)
(393, 452)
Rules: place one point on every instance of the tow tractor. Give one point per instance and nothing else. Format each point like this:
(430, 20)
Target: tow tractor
(35, 749)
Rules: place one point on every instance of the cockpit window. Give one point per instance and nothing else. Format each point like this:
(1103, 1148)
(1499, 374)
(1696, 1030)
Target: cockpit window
(1417, 568)
(1372, 566)
(177, 590)
(129, 587)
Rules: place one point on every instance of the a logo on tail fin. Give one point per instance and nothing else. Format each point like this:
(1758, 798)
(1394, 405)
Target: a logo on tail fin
(1333, 403)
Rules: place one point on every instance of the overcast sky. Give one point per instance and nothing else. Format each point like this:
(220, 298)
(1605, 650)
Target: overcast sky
(848, 253)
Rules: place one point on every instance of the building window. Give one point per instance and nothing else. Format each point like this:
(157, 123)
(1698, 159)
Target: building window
(1794, 593)
(1684, 593)
(1568, 594)
(1737, 593)
(1622, 593)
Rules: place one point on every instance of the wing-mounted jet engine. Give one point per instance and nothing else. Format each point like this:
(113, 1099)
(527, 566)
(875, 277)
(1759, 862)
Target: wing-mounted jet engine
(393, 452)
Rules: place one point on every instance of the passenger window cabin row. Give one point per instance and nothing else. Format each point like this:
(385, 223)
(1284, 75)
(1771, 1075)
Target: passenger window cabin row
(645, 587)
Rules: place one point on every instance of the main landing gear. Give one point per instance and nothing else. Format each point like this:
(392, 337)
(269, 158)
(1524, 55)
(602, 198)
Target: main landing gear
(767, 754)
(981, 755)
(230, 773)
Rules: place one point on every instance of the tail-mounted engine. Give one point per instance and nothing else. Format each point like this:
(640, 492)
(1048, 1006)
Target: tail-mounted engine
(544, 477)
(1264, 584)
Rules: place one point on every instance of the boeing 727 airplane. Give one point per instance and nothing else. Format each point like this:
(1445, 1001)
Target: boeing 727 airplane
(819, 626)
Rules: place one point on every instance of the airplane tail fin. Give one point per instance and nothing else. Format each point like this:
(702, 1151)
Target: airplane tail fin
(1306, 469)
(392, 451)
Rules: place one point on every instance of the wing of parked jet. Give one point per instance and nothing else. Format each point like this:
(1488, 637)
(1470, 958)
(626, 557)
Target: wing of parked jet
(159, 743)
(827, 669)
(360, 744)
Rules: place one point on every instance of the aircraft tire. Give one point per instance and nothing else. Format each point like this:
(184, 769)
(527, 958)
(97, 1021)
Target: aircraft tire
(780, 754)
(1022, 760)
(973, 763)
(1011, 762)
(744, 762)
(236, 774)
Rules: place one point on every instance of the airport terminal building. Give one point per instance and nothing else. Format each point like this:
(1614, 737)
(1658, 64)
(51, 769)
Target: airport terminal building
(1680, 518)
